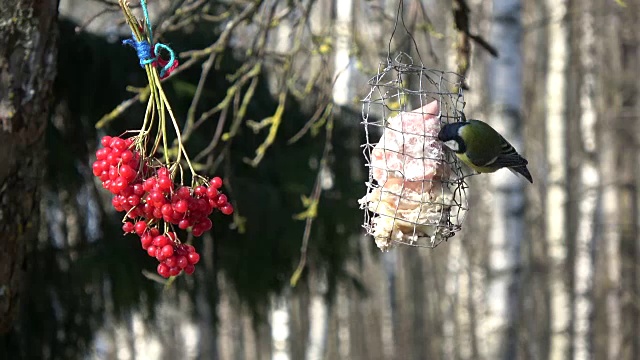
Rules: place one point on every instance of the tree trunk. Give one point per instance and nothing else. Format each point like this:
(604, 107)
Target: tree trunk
(505, 89)
(28, 37)
(556, 198)
(611, 170)
(630, 241)
(589, 181)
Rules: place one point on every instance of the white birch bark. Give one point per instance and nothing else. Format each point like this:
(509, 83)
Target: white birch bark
(318, 318)
(556, 199)
(343, 321)
(318, 312)
(610, 194)
(280, 329)
(589, 179)
(505, 89)
(344, 20)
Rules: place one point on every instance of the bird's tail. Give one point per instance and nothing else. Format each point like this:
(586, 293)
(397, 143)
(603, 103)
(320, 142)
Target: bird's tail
(522, 170)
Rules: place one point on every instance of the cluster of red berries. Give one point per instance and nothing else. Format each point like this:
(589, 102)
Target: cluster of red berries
(149, 197)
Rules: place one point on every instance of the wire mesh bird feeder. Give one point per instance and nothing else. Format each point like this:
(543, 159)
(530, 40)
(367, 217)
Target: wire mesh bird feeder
(416, 192)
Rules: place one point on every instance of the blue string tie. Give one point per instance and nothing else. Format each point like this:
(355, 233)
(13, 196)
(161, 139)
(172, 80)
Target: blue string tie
(143, 49)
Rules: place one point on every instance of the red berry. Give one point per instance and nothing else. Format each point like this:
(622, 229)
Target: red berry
(212, 203)
(189, 248)
(216, 182)
(133, 200)
(165, 183)
(140, 227)
(200, 191)
(157, 213)
(227, 209)
(118, 143)
(96, 168)
(174, 271)
(171, 261)
(156, 197)
(222, 200)
(119, 184)
(212, 192)
(106, 141)
(184, 224)
(127, 191)
(183, 192)
(201, 205)
(167, 251)
(116, 152)
(104, 166)
(206, 224)
(112, 159)
(102, 153)
(138, 189)
(161, 241)
(113, 173)
(154, 232)
(193, 258)
(160, 255)
(163, 171)
(126, 156)
(167, 210)
(189, 269)
(127, 227)
(149, 184)
(127, 172)
(145, 241)
(151, 250)
(197, 230)
(181, 206)
(148, 209)
(182, 261)
(163, 270)
(171, 235)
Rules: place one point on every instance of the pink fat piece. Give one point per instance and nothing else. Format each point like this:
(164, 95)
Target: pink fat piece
(409, 148)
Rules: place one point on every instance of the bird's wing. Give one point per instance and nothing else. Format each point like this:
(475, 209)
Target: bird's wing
(508, 157)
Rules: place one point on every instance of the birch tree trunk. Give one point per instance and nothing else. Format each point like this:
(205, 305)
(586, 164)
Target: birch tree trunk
(611, 135)
(280, 328)
(505, 89)
(556, 135)
(629, 200)
(318, 318)
(589, 182)
(318, 311)
(28, 40)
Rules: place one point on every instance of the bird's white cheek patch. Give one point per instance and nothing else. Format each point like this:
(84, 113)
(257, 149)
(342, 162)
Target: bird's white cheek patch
(452, 144)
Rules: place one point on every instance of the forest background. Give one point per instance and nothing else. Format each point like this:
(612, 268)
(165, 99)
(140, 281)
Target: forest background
(542, 271)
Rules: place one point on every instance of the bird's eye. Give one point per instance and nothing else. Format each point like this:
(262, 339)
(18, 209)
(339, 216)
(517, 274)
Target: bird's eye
(452, 144)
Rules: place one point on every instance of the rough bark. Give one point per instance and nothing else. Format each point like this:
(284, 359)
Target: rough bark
(27, 70)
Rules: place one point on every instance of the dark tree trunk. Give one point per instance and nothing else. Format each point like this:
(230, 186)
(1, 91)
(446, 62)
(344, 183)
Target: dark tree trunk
(27, 70)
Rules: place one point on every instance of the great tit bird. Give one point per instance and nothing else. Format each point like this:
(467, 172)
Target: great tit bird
(482, 148)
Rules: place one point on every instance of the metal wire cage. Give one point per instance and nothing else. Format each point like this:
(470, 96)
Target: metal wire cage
(416, 192)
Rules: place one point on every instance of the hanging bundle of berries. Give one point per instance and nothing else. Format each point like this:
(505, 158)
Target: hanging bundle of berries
(149, 189)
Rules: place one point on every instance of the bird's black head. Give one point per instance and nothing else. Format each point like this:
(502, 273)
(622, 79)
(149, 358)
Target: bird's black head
(450, 136)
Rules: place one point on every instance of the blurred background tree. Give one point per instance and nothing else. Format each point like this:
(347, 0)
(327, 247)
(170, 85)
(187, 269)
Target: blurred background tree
(268, 92)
